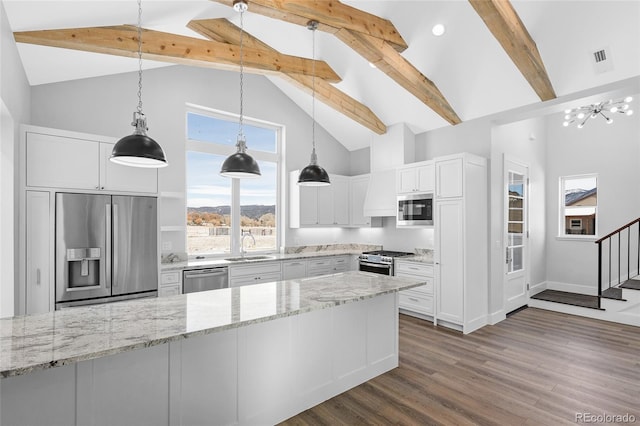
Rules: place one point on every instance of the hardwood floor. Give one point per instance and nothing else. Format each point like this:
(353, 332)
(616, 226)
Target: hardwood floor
(534, 368)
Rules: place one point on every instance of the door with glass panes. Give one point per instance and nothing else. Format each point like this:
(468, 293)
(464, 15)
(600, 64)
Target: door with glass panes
(516, 234)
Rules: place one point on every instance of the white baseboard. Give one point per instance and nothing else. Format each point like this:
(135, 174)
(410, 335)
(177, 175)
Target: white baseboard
(573, 288)
(537, 288)
(497, 316)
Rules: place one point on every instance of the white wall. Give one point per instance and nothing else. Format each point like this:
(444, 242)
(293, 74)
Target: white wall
(470, 136)
(104, 105)
(611, 151)
(523, 141)
(15, 109)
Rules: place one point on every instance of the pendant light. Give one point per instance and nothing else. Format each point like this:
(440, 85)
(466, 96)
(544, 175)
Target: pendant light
(138, 149)
(313, 174)
(240, 164)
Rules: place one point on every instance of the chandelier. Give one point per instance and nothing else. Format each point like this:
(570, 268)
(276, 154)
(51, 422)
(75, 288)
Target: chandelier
(605, 109)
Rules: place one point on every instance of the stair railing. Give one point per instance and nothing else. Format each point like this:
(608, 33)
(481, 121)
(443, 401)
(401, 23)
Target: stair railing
(610, 239)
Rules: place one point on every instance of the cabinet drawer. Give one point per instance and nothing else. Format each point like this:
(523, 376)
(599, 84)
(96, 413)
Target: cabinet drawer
(414, 268)
(169, 290)
(263, 268)
(320, 263)
(416, 302)
(425, 290)
(170, 277)
(255, 279)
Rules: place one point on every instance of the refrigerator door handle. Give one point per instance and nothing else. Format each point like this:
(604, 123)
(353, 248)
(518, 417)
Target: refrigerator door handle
(116, 229)
(108, 254)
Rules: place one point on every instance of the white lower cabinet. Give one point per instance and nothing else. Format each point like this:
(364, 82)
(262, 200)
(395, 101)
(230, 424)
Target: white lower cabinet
(254, 274)
(170, 283)
(292, 269)
(38, 289)
(328, 265)
(418, 300)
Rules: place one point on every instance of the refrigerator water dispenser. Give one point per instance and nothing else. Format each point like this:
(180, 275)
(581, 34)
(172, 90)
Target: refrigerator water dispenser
(84, 267)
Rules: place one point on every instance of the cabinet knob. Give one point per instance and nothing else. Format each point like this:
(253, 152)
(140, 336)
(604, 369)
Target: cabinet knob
(98, 187)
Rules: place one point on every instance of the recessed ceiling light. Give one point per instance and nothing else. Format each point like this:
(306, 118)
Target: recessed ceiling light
(372, 65)
(438, 30)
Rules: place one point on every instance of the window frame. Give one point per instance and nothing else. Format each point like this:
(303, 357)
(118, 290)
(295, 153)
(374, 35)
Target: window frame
(562, 227)
(226, 150)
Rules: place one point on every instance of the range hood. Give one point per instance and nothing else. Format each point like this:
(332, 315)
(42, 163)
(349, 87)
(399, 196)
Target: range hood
(394, 148)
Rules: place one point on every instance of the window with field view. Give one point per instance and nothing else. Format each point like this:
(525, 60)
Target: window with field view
(220, 209)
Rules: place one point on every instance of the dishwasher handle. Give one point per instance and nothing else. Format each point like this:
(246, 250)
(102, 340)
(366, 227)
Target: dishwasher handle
(203, 273)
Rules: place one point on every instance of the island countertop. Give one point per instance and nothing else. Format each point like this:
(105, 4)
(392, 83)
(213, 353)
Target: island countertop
(36, 342)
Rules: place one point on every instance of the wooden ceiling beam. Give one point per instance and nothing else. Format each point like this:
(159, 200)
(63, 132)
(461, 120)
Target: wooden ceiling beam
(505, 25)
(331, 15)
(165, 47)
(387, 60)
(223, 31)
(354, 27)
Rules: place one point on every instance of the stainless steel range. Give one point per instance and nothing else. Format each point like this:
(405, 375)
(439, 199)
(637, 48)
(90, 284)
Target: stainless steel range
(380, 261)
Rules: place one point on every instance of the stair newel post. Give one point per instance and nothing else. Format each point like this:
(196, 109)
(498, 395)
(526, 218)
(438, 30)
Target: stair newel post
(629, 253)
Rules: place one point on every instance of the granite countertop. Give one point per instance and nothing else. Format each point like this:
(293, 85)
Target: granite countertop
(418, 258)
(207, 263)
(36, 342)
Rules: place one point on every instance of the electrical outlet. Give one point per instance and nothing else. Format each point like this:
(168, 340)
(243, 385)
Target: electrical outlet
(166, 246)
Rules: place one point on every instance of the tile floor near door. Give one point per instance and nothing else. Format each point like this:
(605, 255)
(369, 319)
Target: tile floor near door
(534, 368)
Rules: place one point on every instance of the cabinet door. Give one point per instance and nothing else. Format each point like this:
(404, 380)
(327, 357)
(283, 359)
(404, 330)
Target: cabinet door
(426, 178)
(406, 180)
(116, 177)
(450, 262)
(59, 162)
(340, 188)
(325, 205)
(308, 205)
(294, 269)
(358, 194)
(38, 260)
(449, 178)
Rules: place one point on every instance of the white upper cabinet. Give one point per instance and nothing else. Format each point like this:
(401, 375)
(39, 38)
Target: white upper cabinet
(449, 178)
(61, 162)
(357, 193)
(319, 206)
(416, 177)
(64, 160)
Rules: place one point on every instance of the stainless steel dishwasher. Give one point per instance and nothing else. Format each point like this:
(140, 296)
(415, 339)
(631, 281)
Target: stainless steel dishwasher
(205, 279)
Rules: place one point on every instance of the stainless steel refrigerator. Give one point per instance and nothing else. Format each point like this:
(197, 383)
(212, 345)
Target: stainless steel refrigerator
(106, 248)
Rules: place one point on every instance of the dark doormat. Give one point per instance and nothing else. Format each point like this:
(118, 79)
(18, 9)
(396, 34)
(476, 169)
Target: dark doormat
(575, 299)
(631, 284)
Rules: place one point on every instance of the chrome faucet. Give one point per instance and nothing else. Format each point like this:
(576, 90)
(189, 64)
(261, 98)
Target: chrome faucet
(245, 234)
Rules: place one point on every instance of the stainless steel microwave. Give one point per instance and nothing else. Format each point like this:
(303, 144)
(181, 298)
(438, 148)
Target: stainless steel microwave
(415, 210)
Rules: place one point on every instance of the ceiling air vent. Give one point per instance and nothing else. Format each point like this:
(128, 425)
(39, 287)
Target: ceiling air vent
(602, 60)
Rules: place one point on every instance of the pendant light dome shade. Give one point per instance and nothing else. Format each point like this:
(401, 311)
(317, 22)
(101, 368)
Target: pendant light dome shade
(313, 175)
(240, 164)
(138, 149)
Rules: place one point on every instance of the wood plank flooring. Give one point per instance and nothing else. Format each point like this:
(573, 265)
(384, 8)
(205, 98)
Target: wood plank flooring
(534, 368)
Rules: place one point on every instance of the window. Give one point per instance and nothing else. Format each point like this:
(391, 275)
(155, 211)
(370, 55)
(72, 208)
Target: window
(578, 205)
(219, 209)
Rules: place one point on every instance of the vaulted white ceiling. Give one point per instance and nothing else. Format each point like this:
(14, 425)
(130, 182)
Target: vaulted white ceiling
(467, 63)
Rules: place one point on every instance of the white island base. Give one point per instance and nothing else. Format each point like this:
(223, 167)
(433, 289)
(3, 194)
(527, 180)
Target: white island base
(259, 374)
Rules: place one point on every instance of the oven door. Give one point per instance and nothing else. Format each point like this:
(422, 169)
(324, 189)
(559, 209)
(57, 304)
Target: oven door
(415, 210)
(376, 268)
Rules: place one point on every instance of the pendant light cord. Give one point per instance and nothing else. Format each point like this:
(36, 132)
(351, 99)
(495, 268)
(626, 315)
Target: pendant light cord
(240, 129)
(140, 57)
(313, 88)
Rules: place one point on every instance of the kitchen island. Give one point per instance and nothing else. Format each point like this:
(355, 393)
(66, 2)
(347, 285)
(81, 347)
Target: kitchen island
(249, 355)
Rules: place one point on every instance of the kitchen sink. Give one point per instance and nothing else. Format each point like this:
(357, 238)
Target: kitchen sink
(238, 259)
